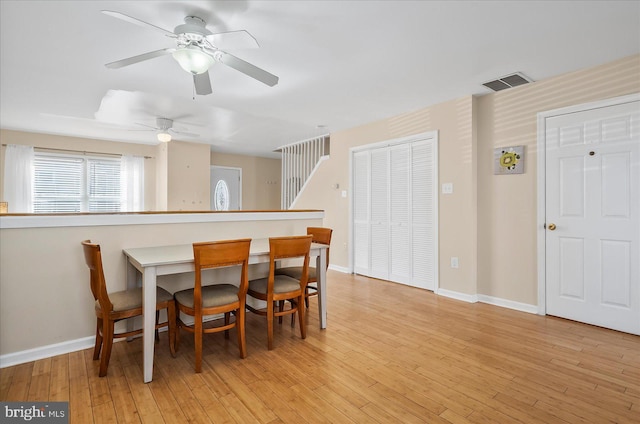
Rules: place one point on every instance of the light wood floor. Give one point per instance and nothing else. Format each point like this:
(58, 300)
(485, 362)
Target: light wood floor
(391, 354)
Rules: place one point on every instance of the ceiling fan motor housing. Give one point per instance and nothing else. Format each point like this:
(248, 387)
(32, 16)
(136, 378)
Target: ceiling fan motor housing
(164, 124)
(193, 30)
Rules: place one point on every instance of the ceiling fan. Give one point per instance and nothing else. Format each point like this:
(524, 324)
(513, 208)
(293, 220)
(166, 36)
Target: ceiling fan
(164, 128)
(197, 49)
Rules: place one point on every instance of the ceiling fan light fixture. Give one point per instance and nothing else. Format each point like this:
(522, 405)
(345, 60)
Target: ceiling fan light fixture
(164, 136)
(193, 60)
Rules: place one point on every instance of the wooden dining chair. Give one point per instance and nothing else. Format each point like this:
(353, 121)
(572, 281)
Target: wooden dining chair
(203, 300)
(117, 306)
(320, 235)
(276, 289)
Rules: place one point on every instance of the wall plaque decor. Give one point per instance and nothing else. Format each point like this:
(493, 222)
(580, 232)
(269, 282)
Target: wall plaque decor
(508, 160)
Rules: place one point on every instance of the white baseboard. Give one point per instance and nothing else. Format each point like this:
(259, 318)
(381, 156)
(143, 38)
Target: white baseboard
(470, 298)
(491, 300)
(341, 269)
(42, 352)
(510, 304)
(48, 351)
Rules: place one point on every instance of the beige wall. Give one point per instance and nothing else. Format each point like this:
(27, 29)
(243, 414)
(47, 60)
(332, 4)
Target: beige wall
(188, 176)
(260, 179)
(489, 221)
(507, 203)
(162, 177)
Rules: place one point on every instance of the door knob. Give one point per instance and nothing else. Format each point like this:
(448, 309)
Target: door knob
(551, 227)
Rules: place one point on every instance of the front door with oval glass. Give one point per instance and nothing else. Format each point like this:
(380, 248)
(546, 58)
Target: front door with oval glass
(226, 188)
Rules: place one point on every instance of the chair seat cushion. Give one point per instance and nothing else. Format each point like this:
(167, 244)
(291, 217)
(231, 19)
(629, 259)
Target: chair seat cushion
(212, 296)
(296, 272)
(281, 284)
(132, 299)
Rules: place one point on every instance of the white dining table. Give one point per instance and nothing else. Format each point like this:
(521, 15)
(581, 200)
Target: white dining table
(145, 264)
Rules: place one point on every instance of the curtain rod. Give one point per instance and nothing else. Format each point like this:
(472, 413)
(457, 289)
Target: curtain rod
(82, 151)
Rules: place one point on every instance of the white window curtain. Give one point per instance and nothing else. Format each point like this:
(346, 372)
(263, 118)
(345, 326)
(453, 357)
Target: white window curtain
(18, 178)
(131, 183)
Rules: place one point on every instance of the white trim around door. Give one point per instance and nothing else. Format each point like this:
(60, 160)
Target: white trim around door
(541, 181)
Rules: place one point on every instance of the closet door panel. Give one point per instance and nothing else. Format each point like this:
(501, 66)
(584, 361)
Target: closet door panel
(399, 212)
(379, 230)
(423, 214)
(361, 216)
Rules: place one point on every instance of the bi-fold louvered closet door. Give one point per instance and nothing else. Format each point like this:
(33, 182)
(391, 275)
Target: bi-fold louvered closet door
(395, 210)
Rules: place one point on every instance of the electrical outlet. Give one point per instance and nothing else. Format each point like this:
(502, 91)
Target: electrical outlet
(447, 188)
(454, 262)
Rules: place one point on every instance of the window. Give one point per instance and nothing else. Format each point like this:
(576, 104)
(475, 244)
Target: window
(64, 183)
(221, 194)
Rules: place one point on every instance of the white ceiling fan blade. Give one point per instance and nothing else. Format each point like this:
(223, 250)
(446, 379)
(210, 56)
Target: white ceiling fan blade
(233, 40)
(246, 68)
(184, 133)
(202, 82)
(138, 22)
(139, 58)
(148, 127)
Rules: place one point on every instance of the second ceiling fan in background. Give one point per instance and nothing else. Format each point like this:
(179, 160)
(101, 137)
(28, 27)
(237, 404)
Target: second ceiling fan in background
(197, 49)
(164, 129)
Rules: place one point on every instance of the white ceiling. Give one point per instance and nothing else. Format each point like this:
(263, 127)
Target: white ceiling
(341, 63)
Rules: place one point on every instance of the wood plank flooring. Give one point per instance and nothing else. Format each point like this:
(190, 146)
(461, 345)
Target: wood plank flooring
(391, 354)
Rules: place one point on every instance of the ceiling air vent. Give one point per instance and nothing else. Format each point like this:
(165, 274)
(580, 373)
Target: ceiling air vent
(508, 81)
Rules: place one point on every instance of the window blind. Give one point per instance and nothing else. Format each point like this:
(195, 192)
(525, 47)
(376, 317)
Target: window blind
(104, 185)
(58, 184)
(75, 184)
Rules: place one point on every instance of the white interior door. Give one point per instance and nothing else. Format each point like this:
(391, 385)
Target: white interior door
(226, 188)
(593, 216)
